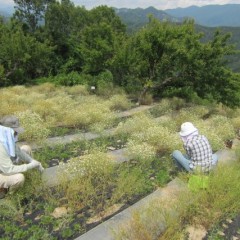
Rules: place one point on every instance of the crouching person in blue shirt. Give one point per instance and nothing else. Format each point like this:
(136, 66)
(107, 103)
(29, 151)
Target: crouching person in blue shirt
(199, 155)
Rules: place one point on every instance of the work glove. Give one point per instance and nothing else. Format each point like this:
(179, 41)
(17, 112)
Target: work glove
(33, 164)
(40, 168)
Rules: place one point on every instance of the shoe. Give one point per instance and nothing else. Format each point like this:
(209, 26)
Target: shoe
(3, 192)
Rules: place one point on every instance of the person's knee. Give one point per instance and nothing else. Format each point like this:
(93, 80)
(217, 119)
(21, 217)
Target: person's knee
(19, 180)
(175, 153)
(27, 149)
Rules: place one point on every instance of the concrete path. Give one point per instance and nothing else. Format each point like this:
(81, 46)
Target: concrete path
(105, 231)
(89, 135)
(134, 111)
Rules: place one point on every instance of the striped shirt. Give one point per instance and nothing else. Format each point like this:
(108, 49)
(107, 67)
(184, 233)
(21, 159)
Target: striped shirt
(200, 152)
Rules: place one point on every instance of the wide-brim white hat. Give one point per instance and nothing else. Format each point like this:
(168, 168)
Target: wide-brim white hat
(187, 128)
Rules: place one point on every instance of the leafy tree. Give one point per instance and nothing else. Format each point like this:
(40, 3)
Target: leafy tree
(97, 47)
(31, 12)
(99, 39)
(169, 57)
(22, 57)
(63, 26)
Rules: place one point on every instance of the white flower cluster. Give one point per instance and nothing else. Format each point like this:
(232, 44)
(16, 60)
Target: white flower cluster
(158, 137)
(206, 129)
(89, 165)
(69, 106)
(142, 151)
(35, 128)
(137, 123)
(223, 127)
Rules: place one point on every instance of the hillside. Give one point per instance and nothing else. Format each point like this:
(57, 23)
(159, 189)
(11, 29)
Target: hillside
(234, 61)
(210, 15)
(136, 18)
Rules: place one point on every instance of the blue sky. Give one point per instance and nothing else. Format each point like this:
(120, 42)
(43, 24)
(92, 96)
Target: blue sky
(159, 4)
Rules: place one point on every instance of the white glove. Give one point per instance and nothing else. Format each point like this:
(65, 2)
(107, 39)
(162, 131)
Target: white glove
(33, 164)
(40, 168)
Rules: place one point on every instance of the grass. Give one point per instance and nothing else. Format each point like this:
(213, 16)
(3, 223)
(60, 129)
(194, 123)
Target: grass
(67, 107)
(94, 183)
(103, 184)
(207, 208)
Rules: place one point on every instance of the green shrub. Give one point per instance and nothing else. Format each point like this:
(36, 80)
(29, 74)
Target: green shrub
(119, 103)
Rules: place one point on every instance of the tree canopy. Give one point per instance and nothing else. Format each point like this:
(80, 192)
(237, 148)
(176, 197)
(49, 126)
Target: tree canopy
(46, 38)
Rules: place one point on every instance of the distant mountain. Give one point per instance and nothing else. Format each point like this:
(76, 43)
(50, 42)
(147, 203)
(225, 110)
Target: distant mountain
(136, 18)
(210, 15)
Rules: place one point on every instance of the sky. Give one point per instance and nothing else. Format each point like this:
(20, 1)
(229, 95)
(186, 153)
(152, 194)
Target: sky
(158, 4)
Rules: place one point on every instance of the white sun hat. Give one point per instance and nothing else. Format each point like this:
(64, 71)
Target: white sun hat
(187, 128)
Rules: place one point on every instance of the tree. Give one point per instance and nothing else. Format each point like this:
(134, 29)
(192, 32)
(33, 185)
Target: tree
(99, 39)
(170, 57)
(31, 12)
(64, 24)
(22, 57)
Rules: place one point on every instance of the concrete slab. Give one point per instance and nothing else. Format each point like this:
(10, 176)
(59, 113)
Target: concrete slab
(105, 231)
(227, 156)
(119, 155)
(70, 138)
(134, 111)
(49, 176)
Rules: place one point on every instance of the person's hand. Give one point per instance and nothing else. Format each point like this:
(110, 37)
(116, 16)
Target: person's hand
(33, 164)
(40, 168)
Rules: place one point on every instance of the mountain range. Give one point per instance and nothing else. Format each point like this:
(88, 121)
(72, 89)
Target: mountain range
(209, 16)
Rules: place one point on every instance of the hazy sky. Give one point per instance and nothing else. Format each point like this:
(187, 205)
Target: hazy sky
(159, 4)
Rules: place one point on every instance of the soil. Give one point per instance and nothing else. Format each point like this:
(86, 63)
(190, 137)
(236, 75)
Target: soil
(228, 229)
(79, 222)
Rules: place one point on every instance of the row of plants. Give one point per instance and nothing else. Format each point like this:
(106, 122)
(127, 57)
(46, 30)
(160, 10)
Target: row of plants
(90, 182)
(212, 209)
(144, 135)
(219, 123)
(47, 106)
(88, 186)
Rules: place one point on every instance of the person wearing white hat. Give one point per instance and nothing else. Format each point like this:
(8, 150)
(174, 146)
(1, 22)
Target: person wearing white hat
(11, 176)
(199, 154)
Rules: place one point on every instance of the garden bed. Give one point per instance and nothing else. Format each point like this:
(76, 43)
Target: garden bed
(52, 156)
(229, 228)
(34, 215)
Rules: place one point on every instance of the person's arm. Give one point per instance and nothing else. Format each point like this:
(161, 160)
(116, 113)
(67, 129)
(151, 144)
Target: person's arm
(7, 167)
(22, 156)
(188, 149)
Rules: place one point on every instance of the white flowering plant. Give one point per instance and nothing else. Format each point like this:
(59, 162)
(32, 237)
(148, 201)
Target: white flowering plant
(35, 129)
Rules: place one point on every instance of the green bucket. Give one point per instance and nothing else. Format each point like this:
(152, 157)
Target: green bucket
(197, 182)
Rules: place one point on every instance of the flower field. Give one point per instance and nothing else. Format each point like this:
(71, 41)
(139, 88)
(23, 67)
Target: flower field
(89, 181)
